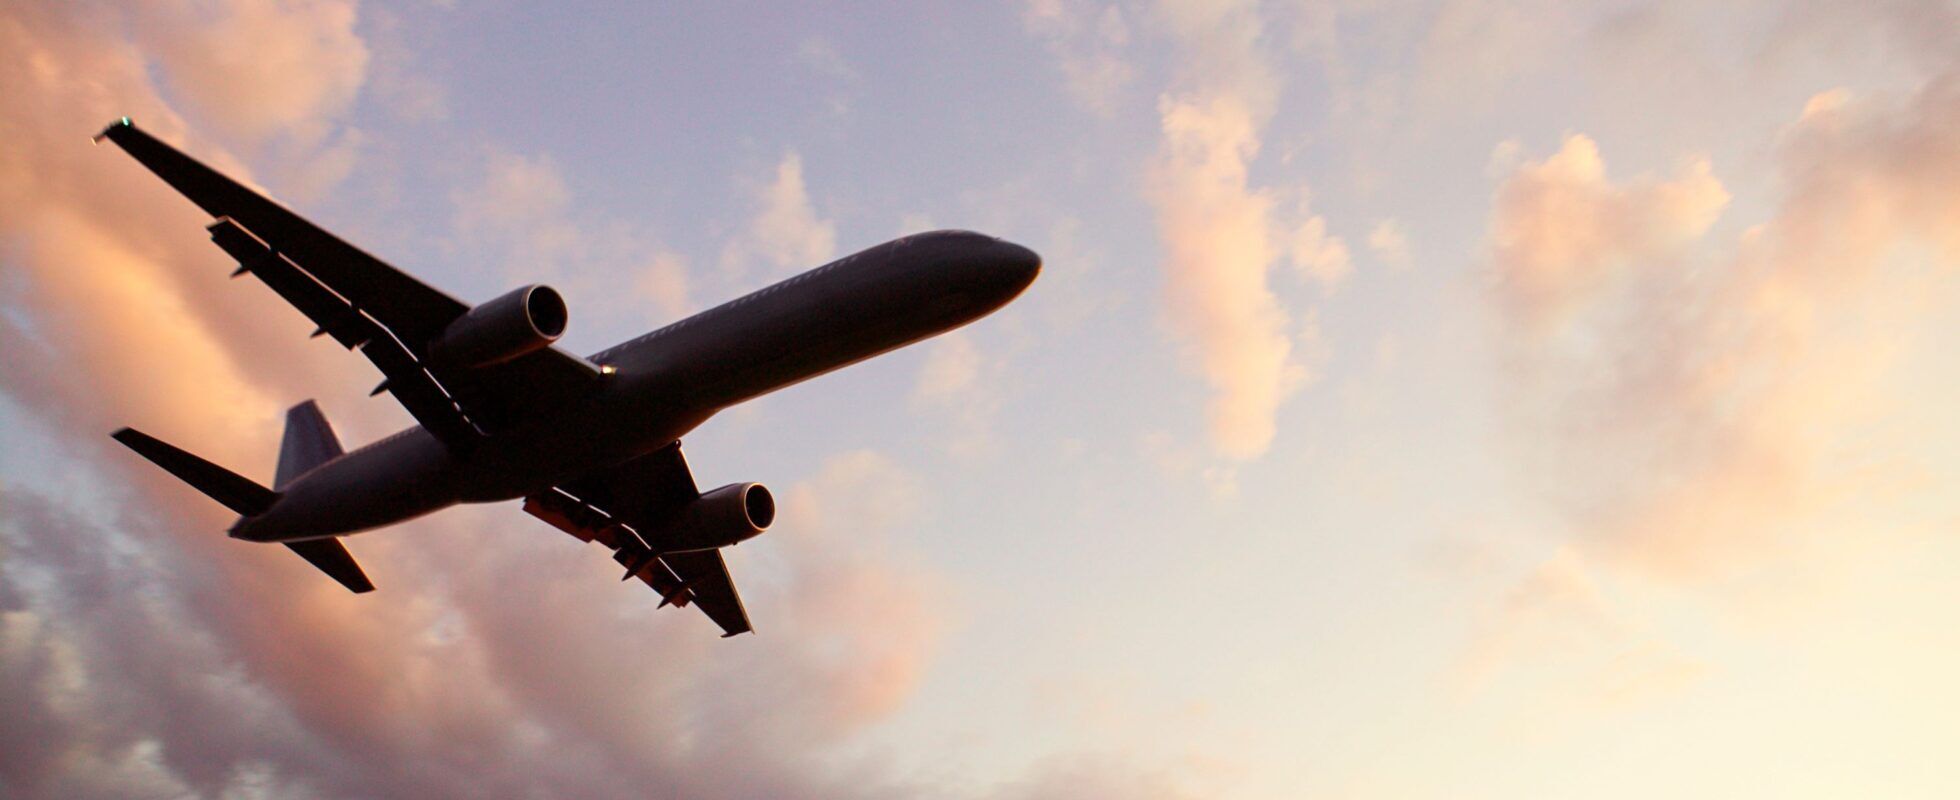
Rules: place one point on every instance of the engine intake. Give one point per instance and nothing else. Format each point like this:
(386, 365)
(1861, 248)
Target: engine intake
(728, 515)
(521, 321)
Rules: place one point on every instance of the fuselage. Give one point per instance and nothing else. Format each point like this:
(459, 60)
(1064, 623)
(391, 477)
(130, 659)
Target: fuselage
(663, 384)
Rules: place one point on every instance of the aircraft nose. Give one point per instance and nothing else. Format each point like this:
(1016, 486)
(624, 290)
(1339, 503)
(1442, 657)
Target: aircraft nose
(1014, 265)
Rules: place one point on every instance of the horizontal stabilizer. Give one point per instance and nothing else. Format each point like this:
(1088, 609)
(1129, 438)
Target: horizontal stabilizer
(235, 491)
(332, 558)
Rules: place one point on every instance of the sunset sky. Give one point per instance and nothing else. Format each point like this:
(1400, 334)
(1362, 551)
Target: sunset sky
(1421, 399)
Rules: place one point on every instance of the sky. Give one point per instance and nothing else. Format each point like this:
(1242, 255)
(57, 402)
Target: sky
(1420, 399)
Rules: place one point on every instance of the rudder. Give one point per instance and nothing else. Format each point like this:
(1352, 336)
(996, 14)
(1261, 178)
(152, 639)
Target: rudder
(309, 442)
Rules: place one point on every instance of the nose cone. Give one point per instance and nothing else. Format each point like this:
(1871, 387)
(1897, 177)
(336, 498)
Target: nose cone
(1011, 267)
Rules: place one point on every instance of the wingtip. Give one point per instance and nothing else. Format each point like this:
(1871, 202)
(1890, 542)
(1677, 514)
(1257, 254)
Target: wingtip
(122, 122)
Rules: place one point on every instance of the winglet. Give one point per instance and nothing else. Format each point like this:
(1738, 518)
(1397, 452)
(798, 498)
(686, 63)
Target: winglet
(121, 123)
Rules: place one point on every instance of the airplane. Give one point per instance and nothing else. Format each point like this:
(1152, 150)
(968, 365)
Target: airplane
(591, 445)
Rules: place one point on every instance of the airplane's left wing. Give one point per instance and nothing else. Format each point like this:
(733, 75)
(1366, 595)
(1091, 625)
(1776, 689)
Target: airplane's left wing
(363, 302)
(613, 506)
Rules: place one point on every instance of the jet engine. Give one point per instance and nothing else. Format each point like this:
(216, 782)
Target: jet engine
(521, 321)
(728, 515)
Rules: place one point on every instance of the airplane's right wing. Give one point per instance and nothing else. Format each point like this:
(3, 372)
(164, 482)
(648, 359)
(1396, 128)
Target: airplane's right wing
(363, 302)
(613, 506)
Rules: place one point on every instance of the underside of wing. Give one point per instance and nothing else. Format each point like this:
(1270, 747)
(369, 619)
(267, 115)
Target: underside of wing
(706, 577)
(619, 506)
(363, 302)
(418, 391)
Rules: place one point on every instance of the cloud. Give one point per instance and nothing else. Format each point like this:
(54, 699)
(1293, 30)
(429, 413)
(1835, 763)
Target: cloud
(952, 368)
(820, 55)
(1699, 407)
(1220, 234)
(258, 67)
(1093, 776)
(1318, 256)
(1089, 42)
(1558, 632)
(521, 216)
(1217, 237)
(515, 190)
(1390, 243)
(786, 231)
(664, 281)
(1560, 229)
(520, 213)
(959, 384)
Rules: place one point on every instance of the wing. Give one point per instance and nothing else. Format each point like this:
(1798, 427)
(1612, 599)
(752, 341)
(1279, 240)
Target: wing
(363, 302)
(612, 506)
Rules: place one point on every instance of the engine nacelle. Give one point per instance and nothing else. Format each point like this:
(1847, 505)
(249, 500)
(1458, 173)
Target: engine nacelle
(521, 321)
(733, 513)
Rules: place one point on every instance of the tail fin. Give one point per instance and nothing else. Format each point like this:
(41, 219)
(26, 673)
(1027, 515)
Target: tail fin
(309, 443)
(235, 491)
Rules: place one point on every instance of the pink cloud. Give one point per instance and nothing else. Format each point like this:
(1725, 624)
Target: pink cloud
(257, 67)
(1221, 235)
(1701, 409)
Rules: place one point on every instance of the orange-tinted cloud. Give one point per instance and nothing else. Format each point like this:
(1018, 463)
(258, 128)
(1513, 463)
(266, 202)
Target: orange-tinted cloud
(1561, 230)
(256, 67)
(786, 231)
(1221, 235)
(1703, 408)
(1217, 236)
(1557, 631)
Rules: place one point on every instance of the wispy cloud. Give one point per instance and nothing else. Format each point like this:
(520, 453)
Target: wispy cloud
(960, 385)
(1557, 634)
(1090, 43)
(1701, 407)
(1221, 234)
(786, 231)
(519, 215)
(1561, 230)
(255, 67)
(1390, 243)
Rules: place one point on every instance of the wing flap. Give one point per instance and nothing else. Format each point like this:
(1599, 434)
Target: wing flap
(360, 299)
(613, 506)
(645, 490)
(412, 309)
(412, 385)
(329, 311)
(706, 577)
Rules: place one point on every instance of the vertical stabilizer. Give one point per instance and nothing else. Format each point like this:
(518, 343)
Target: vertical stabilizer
(309, 443)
